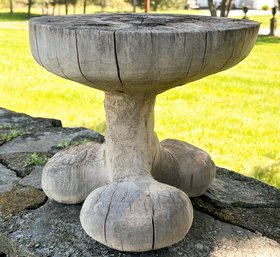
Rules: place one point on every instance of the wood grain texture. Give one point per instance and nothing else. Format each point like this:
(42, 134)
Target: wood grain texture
(126, 201)
(137, 215)
(97, 54)
(130, 137)
(184, 166)
(132, 58)
(139, 53)
(72, 174)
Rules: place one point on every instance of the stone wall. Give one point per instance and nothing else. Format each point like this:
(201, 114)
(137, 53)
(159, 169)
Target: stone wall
(237, 216)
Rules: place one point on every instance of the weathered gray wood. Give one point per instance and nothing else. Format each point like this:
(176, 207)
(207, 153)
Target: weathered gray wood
(96, 55)
(146, 64)
(184, 166)
(130, 143)
(46, 39)
(133, 58)
(128, 52)
(72, 174)
(137, 215)
(33, 43)
(128, 157)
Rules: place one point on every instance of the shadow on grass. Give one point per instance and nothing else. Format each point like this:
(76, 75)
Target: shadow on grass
(261, 40)
(17, 16)
(269, 174)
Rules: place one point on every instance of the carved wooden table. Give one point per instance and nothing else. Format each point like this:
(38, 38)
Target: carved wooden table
(136, 189)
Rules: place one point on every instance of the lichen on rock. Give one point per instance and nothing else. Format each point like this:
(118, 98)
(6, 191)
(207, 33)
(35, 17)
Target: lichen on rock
(20, 198)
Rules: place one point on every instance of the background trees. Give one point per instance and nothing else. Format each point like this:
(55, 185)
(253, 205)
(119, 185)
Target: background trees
(160, 4)
(50, 7)
(225, 7)
(101, 3)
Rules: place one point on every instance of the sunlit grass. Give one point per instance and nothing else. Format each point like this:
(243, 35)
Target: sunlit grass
(234, 115)
(263, 19)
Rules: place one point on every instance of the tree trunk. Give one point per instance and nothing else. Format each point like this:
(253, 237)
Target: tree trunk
(134, 5)
(102, 5)
(66, 7)
(29, 9)
(11, 6)
(155, 5)
(225, 7)
(147, 6)
(74, 8)
(53, 8)
(85, 6)
(47, 7)
(212, 8)
(228, 8)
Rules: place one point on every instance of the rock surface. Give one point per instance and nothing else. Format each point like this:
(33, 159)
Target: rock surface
(243, 201)
(13, 120)
(34, 178)
(21, 198)
(8, 179)
(35, 135)
(60, 225)
(237, 216)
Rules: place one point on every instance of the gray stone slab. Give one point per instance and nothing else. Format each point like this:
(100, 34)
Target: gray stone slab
(232, 189)
(242, 201)
(54, 230)
(14, 120)
(34, 178)
(8, 179)
(47, 142)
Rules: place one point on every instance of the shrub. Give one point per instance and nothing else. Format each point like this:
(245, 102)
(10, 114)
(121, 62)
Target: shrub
(265, 7)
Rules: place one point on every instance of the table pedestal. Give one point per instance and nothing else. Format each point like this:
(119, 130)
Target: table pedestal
(126, 201)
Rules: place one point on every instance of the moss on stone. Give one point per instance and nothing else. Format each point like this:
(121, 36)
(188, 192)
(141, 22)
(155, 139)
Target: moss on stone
(20, 198)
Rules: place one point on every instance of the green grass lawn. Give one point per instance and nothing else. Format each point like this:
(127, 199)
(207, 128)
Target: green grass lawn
(18, 16)
(234, 115)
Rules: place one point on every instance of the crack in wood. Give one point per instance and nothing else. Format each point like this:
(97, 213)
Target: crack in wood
(78, 59)
(153, 227)
(205, 50)
(189, 69)
(152, 218)
(116, 59)
(60, 65)
(107, 214)
(192, 181)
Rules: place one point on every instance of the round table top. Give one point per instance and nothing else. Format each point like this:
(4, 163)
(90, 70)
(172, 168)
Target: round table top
(145, 22)
(139, 52)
